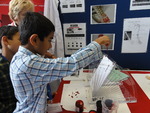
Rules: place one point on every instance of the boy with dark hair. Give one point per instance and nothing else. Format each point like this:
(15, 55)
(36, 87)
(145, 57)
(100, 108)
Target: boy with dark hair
(30, 71)
(9, 37)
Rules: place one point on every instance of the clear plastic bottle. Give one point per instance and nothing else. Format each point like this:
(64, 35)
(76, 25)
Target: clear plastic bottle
(109, 106)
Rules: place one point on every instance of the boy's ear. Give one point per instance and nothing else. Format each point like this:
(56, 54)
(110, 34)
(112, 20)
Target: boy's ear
(34, 40)
(4, 40)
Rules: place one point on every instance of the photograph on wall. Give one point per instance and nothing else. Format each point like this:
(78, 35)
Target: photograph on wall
(112, 38)
(72, 6)
(135, 35)
(74, 37)
(139, 4)
(103, 14)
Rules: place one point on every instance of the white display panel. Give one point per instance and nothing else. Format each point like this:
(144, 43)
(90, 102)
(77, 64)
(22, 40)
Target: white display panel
(74, 37)
(135, 35)
(72, 6)
(139, 4)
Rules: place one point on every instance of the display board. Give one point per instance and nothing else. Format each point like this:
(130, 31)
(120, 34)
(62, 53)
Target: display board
(127, 20)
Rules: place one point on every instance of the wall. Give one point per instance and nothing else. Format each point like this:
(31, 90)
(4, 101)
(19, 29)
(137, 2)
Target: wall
(39, 7)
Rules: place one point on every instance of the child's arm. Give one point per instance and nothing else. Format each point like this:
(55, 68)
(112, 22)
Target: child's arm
(46, 70)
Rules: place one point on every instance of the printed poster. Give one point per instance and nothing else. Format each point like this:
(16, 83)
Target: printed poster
(74, 37)
(135, 35)
(139, 4)
(72, 6)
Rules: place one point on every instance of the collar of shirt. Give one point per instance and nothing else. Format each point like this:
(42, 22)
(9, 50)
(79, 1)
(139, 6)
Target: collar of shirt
(3, 57)
(24, 50)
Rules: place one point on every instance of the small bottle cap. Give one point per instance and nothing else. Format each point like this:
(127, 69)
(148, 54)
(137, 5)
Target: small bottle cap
(79, 103)
(79, 106)
(109, 103)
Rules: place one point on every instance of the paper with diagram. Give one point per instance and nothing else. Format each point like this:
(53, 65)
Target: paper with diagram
(135, 35)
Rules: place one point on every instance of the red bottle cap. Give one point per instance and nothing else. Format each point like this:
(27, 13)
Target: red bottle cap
(92, 111)
(79, 106)
(79, 103)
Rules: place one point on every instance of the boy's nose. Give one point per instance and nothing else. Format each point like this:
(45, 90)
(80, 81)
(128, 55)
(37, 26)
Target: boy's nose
(50, 45)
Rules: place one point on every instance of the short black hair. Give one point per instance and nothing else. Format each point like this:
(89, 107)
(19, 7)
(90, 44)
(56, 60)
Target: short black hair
(34, 23)
(7, 31)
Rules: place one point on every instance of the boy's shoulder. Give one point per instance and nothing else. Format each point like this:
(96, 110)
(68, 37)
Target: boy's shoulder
(4, 64)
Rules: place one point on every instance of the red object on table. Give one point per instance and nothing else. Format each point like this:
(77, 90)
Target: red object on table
(79, 106)
(92, 111)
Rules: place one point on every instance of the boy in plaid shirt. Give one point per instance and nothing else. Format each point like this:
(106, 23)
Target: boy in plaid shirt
(30, 71)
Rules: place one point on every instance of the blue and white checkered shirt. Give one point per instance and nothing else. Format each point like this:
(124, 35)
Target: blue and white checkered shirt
(30, 74)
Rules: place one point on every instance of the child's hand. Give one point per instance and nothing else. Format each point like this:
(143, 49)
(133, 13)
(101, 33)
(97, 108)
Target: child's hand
(49, 55)
(103, 40)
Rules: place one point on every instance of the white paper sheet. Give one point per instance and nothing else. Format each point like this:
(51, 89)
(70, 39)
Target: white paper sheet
(72, 93)
(143, 82)
(123, 108)
(139, 4)
(69, 97)
(54, 108)
(135, 35)
(74, 37)
(72, 6)
(101, 73)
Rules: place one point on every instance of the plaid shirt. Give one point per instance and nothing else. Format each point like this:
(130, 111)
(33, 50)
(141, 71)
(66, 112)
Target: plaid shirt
(30, 74)
(7, 98)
